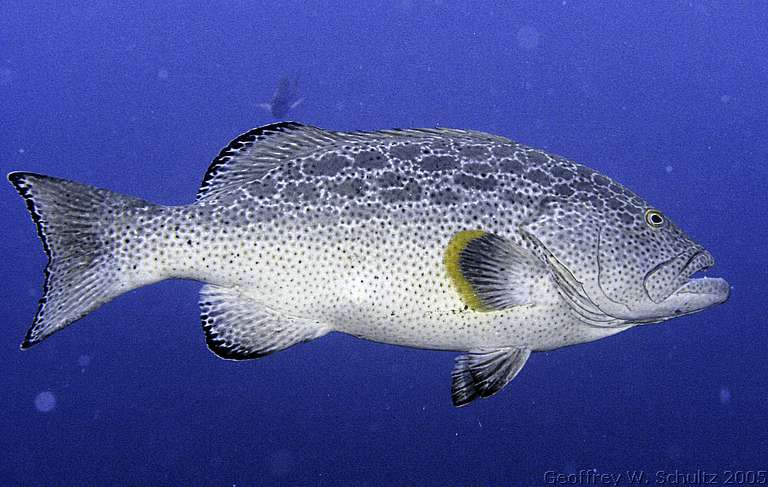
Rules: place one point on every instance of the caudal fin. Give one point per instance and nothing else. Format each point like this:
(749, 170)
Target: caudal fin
(73, 222)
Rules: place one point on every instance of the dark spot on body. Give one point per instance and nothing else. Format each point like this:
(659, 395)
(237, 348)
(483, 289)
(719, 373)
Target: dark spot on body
(265, 213)
(291, 171)
(405, 152)
(596, 202)
(506, 150)
(563, 190)
(411, 192)
(536, 157)
(511, 166)
(600, 180)
(562, 173)
(538, 176)
(614, 203)
(474, 182)
(479, 168)
(263, 188)
(583, 185)
(595, 199)
(436, 147)
(446, 196)
(389, 179)
(438, 163)
(626, 191)
(304, 191)
(370, 159)
(328, 165)
(351, 187)
(626, 218)
(584, 171)
(475, 152)
(603, 191)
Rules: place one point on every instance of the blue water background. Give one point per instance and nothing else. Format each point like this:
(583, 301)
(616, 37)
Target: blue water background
(668, 97)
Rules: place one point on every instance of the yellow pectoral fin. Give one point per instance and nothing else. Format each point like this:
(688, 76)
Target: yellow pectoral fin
(489, 272)
(452, 258)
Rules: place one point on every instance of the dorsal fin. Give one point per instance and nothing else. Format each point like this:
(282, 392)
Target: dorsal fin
(253, 154)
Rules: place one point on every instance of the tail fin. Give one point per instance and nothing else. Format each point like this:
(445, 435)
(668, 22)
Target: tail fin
(73, 222)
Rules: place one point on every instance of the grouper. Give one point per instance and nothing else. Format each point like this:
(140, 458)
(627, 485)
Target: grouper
(437, 239)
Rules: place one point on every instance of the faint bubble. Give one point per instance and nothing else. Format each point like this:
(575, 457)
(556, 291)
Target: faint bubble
(725, 98)
(45, 402)
(725, 395)
(84, 360)
(6, 76)
(281, 462)
(668, 169)
(162, 73)
(527, 37)
(21, 151)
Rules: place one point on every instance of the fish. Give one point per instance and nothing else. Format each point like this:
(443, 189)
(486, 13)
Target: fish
(439, 239)
(285, 98)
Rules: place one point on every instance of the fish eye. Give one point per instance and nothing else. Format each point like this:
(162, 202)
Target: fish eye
(654, 218)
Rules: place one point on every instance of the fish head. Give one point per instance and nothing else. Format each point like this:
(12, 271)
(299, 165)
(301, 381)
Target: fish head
(618, 260)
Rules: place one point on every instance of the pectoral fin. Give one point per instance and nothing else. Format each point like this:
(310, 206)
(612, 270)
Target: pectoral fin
(490, 272)
(484, 373)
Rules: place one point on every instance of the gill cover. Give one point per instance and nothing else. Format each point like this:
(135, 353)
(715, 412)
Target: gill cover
(567, 241)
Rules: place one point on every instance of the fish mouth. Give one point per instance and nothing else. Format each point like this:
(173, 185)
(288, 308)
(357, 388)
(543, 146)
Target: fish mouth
(674, 288)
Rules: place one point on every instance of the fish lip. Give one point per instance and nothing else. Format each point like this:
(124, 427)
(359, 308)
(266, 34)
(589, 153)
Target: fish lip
(716, 286)
(699, 261)
(696, 259)
(698, 294)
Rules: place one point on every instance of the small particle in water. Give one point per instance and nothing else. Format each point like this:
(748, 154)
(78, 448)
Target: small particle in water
(21, 151)
(162, 73)
(84, 360)
(668, 169)
(725, 395)
(725, 98)
(527, 37)
(45, 402)
(6, 76)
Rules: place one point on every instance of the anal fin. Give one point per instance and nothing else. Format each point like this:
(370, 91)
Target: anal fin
(238, 327)
(483, 373)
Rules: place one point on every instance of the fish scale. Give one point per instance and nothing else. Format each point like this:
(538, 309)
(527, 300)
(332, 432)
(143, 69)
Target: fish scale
(430, 238)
